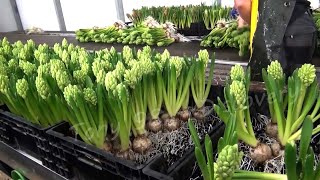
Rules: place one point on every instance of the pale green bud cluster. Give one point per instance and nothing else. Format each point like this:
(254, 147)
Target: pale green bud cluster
(55, 66)
(237, 73)
(90, 96)
(275, 70)
(80, 76)
(127, 54)
(111, 82)
(178, 63)
(42, 87)
(203, 56)
(62, 79)
(22, 87)
(238, 90)
(101, 76)
(43, 69)
(70, 93)
(4, 81)
(64, 43)
(13, 65)
(307, 74)
(71, 48)
(113, 51)
(74, 57)
(122, 92)
(65, 56)
(27, 67)
(119, 70)
(3, 68)
(165, 56)
(227, 163)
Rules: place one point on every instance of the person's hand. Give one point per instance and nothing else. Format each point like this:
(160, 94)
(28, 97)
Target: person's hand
(241, 22)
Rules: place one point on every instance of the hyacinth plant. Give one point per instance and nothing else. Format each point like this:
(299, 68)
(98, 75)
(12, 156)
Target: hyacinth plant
(199, 88)
(237, 102)
(289, 109)
(236, 95)
(177, 77)
(227, 165)
(20, 88)
(303, 166)
(155, 90)
(136, 78)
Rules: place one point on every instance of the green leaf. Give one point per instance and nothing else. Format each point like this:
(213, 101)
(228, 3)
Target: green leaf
(317, 172)
(305, 138)
(290, 161)
(202, 163)
(209, 152)
(308, 172)
(194, 134)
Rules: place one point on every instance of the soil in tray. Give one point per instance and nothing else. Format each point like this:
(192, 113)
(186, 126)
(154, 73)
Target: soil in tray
(276, 164)
(172, 144)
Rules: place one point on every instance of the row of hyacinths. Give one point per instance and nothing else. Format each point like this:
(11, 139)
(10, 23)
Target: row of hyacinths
(102, 93)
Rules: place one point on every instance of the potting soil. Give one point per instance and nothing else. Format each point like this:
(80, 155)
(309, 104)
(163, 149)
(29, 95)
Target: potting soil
(174, 144)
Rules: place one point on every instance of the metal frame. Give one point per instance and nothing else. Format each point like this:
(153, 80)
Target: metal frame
(16, 14)
(119, 9)
(59, 13)
(29, 168)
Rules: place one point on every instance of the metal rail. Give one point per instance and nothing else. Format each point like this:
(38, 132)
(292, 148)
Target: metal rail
(27, 165)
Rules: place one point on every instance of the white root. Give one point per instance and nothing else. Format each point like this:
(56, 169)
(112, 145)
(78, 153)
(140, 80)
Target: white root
(175, 143)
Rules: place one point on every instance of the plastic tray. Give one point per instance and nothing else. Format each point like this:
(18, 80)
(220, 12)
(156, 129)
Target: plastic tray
(95, 162)
(31, 139)
(183, 168)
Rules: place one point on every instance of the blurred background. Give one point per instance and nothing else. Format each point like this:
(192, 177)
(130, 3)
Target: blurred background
(70, 15)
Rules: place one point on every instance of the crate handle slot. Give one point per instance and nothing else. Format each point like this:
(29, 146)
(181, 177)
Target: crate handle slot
(17, 129)
(90, 163)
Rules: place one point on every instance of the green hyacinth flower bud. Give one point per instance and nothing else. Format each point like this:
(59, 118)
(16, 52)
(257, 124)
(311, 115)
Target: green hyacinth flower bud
(307, 74)
(275, 70)
(237, 73)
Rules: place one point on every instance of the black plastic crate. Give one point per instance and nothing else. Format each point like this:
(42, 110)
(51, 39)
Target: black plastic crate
(195, 29)
(31, 139)
(95, 162)
(5, 130)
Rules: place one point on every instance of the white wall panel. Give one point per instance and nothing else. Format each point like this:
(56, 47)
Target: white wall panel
(88, 13)
(7, 21)
(228, 3)
(314, 4)
(38, 13)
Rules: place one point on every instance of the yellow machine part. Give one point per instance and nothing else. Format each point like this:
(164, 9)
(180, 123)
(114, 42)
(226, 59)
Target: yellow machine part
(254, 21)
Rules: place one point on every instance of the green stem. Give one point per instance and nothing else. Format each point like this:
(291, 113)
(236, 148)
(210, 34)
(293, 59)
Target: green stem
(248, 120)
(316, 118)
(280, 120)
(240, 174)
(240, 121)
(296, 136)
(125, 132)
(300, 102)
(247, 138)
(316, 108)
